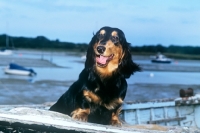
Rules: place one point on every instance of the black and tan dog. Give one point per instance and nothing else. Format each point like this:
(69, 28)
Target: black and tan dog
(99, 92)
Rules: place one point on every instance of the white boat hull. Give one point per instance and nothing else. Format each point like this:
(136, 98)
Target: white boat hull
(17, 72)
(159, 58)
(6, 52)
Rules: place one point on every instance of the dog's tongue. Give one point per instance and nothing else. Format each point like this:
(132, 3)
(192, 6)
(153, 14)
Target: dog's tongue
(102, 59)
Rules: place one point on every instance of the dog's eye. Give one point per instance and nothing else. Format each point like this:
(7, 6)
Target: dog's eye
(115, 39)
(101, 36)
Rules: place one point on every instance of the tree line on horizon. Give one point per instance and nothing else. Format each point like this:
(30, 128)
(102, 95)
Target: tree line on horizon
(44, 43)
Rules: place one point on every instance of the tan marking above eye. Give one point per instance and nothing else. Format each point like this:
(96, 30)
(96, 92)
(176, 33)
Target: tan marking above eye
(114, 33)
(114, 37)
(102, 32)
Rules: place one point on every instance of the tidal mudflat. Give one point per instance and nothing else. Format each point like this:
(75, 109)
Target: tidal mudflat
(57, 71)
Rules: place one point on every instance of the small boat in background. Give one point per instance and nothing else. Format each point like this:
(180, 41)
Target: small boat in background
(19, 70)
(4, 51)
(160, 58)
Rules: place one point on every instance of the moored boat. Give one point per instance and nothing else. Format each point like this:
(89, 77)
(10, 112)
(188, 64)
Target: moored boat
(5, 52)
(19, 70)
(159, 58)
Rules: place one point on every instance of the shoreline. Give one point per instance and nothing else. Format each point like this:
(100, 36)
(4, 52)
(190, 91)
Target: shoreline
(41, 62)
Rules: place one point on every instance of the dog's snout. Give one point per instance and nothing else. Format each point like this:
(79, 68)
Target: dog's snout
(101, 49)
(103, 43)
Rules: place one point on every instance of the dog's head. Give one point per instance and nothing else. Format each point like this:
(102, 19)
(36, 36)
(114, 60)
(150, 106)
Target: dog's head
(109, 53)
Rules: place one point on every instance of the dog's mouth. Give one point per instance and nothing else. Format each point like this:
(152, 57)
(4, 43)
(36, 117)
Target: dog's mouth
(102, 61)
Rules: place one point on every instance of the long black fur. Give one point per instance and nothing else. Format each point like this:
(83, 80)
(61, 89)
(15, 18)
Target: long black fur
(113, 87)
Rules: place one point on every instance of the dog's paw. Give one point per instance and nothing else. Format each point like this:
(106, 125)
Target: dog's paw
(115, 119)
(115, 123)
(80, 114)
(80, 117)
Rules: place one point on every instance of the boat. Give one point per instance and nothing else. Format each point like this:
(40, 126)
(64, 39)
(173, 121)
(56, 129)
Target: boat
(183, 112)
(160, 58)
(19, 70)
(157, 116)
(4, 51)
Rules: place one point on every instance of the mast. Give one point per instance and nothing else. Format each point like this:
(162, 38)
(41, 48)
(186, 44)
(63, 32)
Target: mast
(7, 37)
(7, 41)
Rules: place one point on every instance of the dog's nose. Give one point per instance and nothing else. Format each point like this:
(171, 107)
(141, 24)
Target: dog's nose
(101, 49)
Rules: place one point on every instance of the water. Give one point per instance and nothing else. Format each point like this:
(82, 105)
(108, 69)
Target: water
(71, 67)
(165, 78)
(145, 85)
(174, 62)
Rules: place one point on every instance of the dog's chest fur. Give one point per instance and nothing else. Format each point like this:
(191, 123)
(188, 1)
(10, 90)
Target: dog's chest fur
(104, 94)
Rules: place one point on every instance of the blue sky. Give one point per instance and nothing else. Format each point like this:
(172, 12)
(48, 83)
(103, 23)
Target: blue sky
(144, 22)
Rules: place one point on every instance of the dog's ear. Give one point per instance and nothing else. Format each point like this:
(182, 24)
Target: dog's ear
(90, 57)
(127, 66)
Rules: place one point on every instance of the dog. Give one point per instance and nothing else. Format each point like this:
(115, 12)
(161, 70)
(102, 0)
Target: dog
(99, 92)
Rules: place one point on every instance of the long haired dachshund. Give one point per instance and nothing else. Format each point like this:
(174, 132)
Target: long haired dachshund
(99, 92)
